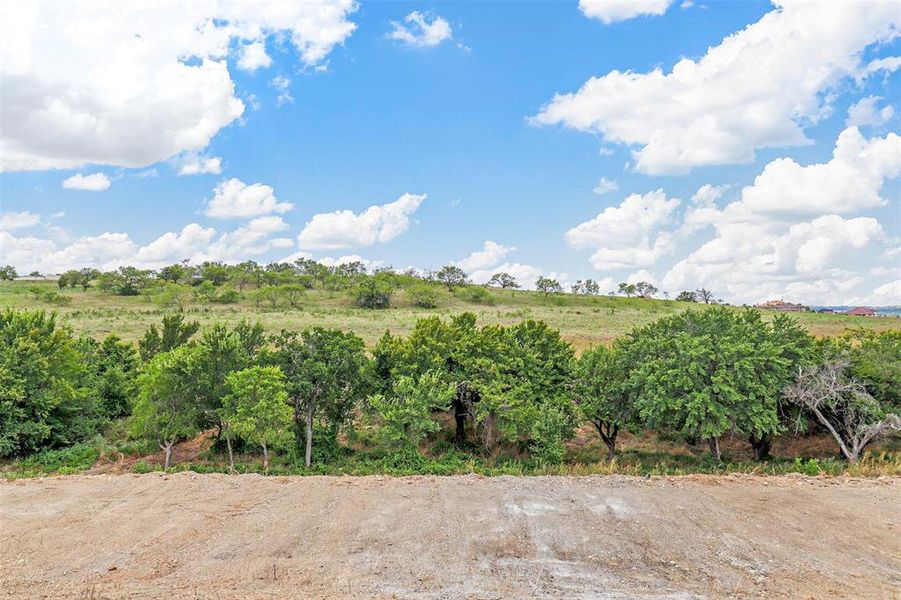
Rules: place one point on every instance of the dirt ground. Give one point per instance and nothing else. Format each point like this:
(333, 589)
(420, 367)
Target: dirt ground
(216, 536)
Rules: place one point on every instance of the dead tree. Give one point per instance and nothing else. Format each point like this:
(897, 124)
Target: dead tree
(842, 405)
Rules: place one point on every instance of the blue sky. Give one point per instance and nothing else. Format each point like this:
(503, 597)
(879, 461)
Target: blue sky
(438, 126)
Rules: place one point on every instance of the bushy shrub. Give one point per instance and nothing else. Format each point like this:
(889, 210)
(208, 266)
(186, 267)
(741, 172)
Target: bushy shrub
(372, 293)
(477, 295)
(423, 295)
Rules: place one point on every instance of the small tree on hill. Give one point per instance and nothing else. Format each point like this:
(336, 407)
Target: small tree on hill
(8, 273)
(645, 289)
(256, 409)
(451, 276)
(686, 296)
(548, 286)
(504, 281)
(627, 289)
(704, 295)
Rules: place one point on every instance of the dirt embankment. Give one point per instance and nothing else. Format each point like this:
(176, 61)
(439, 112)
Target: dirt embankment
(215, 536)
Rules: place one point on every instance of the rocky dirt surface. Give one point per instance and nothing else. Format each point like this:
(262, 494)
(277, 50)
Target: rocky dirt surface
(216, 536)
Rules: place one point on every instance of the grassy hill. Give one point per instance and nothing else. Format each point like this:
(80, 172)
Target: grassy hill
(583, 320)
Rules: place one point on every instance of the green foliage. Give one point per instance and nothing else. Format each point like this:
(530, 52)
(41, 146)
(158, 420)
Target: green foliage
(705, 373)
(406, 412)
(423, 295)
(548, 286)
(451, 276)
(169, 295)
(50, 296)
(8, 273)
(600, 391)
(166, 409)
(477, 295)
(112, 367)
(174, 332)
(504, 281)
(125, 281)
(326, 373)
(551, 428)
(372, 293)
(256, 408)
(42, 401)
(686, 296)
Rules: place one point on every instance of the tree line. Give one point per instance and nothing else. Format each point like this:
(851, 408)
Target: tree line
(520, 388)
(285, 283)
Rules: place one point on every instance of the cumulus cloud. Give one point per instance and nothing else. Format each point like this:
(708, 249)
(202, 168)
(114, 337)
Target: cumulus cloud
(421, 30)
(865, 112)
(605, 186)
(254, 56)
(611, 11)
(786, 235)
(198, 164)
(491, 254)
(756, 89)
(133, 83)
(234, 199)
(848, 182)
(18, 220)
(628, 235)
(708, 194)
(111, 250)
(96, 182)
(346, 229)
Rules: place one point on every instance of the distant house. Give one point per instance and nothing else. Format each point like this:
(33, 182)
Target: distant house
(861, 311)
(783, 306)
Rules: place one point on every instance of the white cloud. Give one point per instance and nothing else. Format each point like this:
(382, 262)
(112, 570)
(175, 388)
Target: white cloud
(490, 254)
(848, 182)
(708, 194)
(346, 229)
(350, 258)
(420, 30)
(627, 235)
(611, 11)
(283, 85)
(756, 89)
(96, 182)
(198, 164)
(253, 56)
(111, 250)
(605, 186)
(865, 112)
(234, 199)
(887, 294)
(133, 83)
(18, 220)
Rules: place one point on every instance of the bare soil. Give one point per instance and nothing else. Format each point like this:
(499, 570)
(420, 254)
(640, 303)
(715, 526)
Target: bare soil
(219, 536)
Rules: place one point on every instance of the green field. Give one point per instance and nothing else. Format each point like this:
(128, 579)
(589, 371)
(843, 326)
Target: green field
(583, 320)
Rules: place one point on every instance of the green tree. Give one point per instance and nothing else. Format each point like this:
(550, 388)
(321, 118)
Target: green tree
(42, 399)
(326, 374)
(8, 273)
(293, 293)
(548, 286)
(406, 412)
(174, 332)
(599, 390)
(256, 409)
(422, 295)
(451, 276)
(705, 373)
(504, 281)
(628, 289)
(166, 407)
(112, 368)
(372, 293)
(686, 296)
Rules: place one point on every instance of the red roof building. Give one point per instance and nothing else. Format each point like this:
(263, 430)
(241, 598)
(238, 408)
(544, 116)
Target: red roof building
(861, 311)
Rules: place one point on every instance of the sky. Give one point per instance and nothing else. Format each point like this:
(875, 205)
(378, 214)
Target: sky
(751, 148)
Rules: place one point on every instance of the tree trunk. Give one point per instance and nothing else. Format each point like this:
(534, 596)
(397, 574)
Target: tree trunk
(761, 446)
(167, 448)
(308, 452)
(231, 455)
(714, 444)
(608, 433)
(265, 459)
